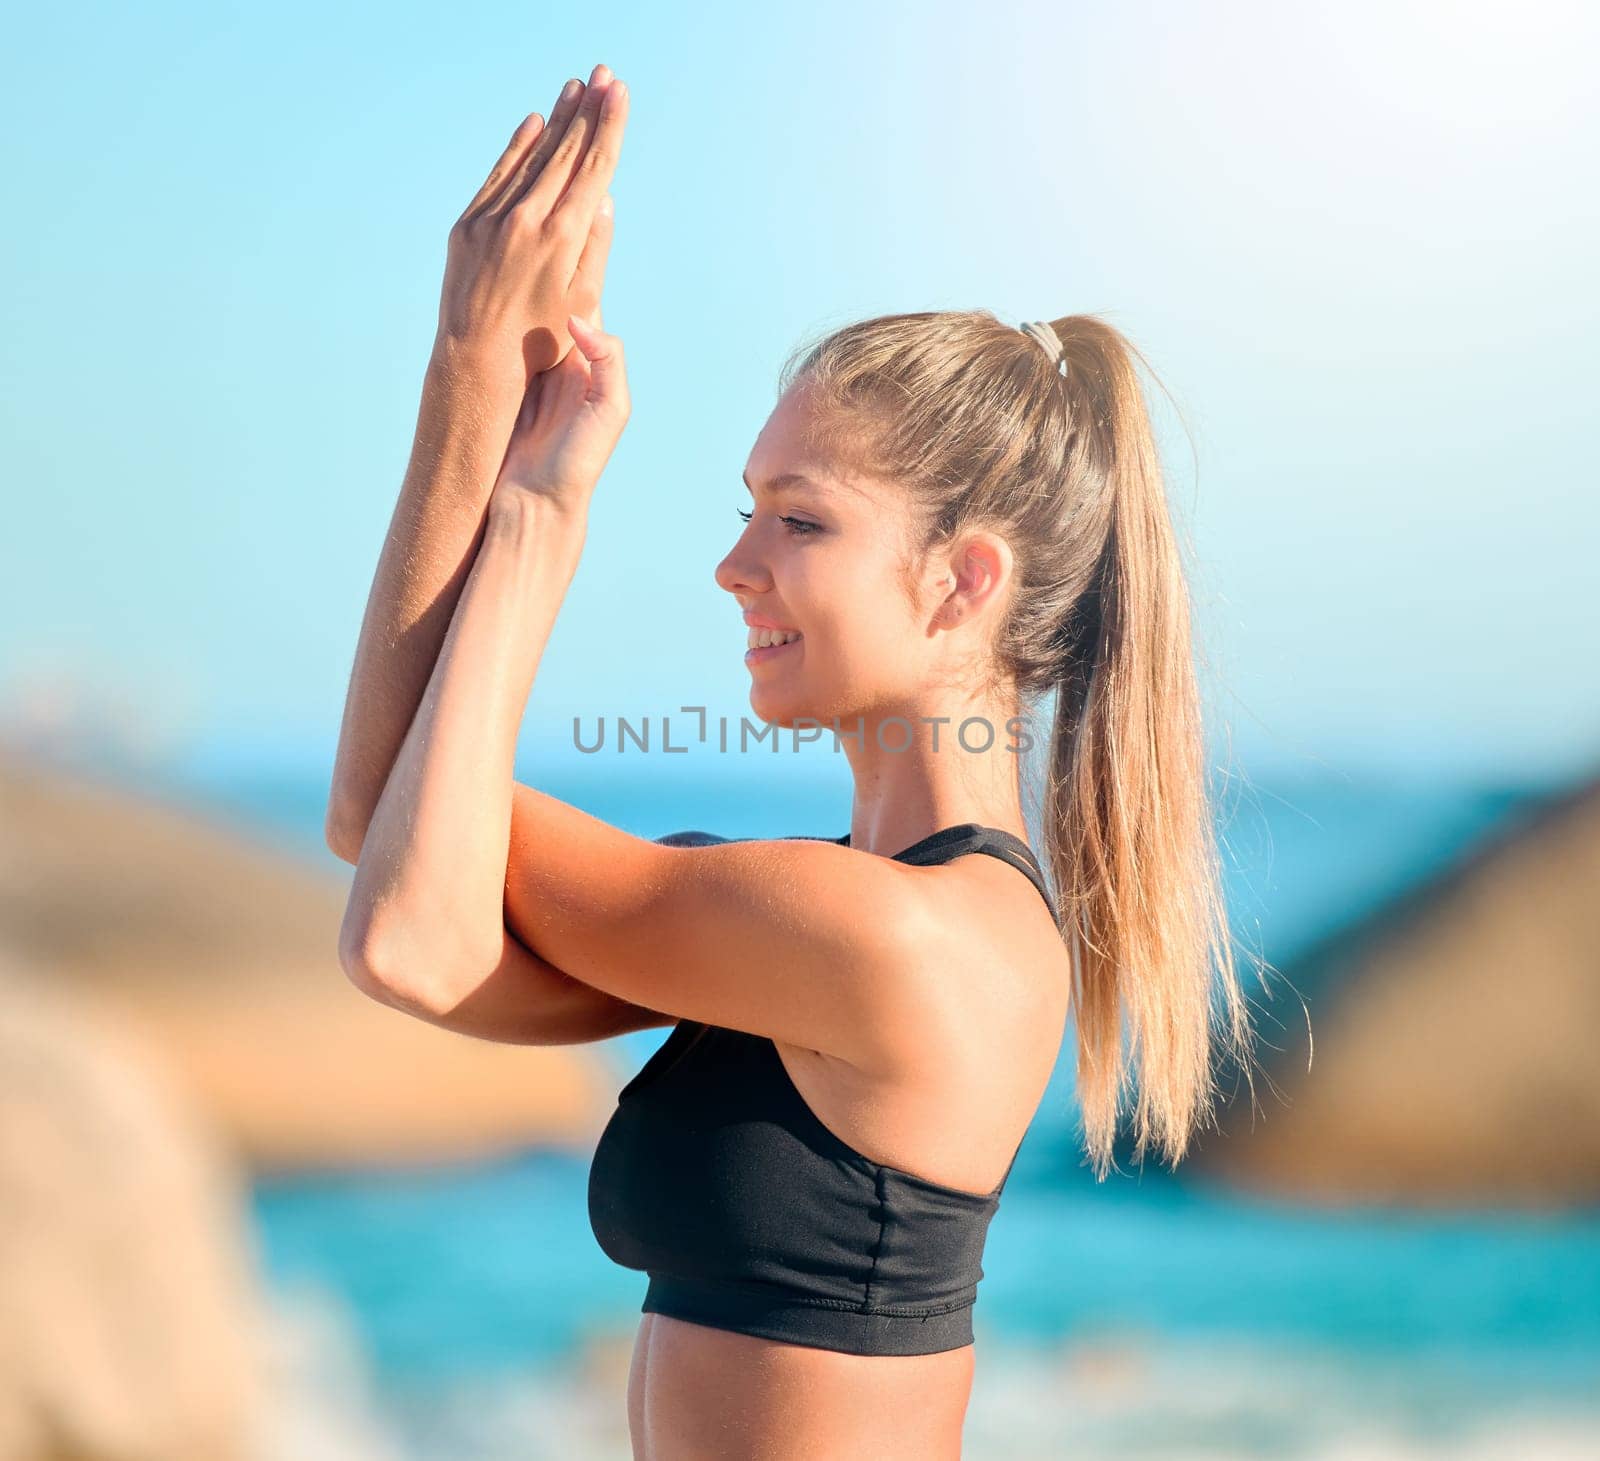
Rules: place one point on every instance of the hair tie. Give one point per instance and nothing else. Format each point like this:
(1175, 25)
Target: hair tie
(1041, 331)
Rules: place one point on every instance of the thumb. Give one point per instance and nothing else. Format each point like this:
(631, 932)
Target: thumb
(608, 381)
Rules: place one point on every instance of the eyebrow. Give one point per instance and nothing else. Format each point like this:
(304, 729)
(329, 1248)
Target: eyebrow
(785, 479)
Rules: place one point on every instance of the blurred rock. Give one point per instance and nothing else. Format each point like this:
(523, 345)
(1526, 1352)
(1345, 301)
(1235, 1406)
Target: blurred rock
(127, 1285)
(1454, 1038)
(220, 952)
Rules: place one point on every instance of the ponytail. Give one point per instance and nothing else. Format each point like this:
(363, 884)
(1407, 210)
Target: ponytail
(1128, 824)
(983, 425)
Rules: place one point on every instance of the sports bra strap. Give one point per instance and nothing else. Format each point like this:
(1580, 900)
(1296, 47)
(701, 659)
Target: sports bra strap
(965, 838)
(1012, 849)
(948, 843)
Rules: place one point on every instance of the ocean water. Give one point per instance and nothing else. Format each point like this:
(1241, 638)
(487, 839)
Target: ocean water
(466, 1312)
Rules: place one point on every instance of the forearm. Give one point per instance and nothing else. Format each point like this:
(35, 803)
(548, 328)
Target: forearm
(463, 425)
(426, 910)
(524, 1000)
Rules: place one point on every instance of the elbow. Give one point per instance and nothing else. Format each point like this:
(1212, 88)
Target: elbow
(343, 832)
(366, 959)
(410, 968)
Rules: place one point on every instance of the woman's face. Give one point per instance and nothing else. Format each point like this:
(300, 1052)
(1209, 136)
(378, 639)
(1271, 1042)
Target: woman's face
(824, 554)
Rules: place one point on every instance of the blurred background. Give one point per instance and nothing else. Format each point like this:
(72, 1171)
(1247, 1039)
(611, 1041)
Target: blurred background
(246, 1212)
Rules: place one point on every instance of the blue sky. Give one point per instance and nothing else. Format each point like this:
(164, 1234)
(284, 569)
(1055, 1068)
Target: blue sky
(1359, 248)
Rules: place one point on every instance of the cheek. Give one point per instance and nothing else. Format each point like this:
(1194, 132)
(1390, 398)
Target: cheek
(851, 602)
(866, 627)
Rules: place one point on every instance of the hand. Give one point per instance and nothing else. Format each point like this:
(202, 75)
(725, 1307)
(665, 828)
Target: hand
(517, 263)
(569, 423)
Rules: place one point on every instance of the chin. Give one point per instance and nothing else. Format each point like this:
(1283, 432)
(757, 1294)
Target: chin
(773, 710)
(779, 710)
(805, 712)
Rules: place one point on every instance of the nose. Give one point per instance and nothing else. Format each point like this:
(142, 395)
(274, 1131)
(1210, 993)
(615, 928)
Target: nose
(742, 571)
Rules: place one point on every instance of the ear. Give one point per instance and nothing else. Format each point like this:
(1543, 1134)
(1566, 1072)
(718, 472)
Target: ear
(976, 573)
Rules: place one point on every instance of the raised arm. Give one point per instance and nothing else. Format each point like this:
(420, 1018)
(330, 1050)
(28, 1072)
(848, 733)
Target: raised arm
(512, 277)
(808, 942)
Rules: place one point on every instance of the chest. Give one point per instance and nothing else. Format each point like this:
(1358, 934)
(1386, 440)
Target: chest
(715, 1171)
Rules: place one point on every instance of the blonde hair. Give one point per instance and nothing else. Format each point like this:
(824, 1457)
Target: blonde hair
(979, 424)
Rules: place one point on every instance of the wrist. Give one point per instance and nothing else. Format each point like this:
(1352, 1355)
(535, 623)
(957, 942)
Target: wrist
(459, 366)
(466, 417)
(526, 518)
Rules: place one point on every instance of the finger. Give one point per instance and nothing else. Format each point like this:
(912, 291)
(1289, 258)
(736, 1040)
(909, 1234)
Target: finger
(608, 382)
(507, 180)
(588, 280)
(528, 131)
(594, 173)
(542, 192)
(532, 162)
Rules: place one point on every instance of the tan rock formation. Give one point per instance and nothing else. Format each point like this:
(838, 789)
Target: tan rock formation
(220, 951)
(1454, 1038)
(127, 1284)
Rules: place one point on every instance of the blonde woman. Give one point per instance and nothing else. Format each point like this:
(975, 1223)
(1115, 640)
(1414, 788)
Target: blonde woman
(948, 519)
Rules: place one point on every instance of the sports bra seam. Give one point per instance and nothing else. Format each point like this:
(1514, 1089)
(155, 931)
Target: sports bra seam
(883, 1229)
(840, 1306)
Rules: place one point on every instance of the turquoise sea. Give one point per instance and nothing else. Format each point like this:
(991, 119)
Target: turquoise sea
(467, 1312)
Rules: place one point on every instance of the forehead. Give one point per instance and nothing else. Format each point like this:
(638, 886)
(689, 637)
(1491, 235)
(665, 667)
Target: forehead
(785, 458)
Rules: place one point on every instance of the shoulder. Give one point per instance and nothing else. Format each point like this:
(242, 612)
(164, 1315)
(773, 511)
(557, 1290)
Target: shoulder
(991, 955)
(795, 938)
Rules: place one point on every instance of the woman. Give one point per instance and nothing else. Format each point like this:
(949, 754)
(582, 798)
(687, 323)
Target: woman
(948, 517)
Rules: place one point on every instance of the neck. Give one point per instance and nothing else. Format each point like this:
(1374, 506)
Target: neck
(952, 758)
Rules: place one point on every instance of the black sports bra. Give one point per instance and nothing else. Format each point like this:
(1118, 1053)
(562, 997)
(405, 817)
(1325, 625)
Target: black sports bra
(715, 1178)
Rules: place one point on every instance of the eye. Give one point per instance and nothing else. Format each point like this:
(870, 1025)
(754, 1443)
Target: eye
(796, 525)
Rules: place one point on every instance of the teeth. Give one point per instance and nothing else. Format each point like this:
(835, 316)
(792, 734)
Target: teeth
(761, 638)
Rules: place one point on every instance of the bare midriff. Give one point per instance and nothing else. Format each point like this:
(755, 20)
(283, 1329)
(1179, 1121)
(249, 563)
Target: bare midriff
(702, 1394)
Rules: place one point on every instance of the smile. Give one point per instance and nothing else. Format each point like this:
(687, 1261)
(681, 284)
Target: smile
(759, 653)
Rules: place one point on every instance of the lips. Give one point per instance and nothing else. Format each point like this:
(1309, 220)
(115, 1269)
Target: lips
(759, 652)
(767, 637)
(760, 621)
